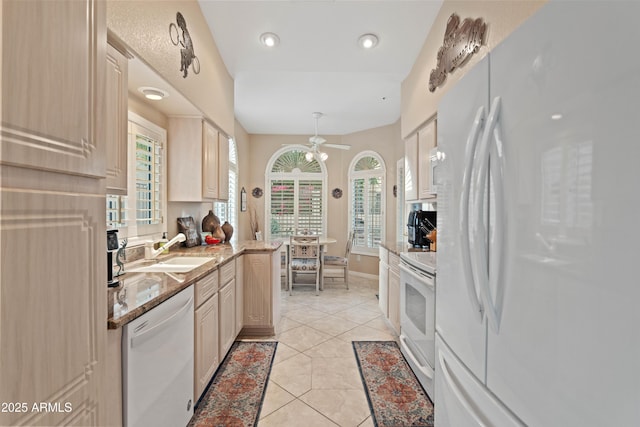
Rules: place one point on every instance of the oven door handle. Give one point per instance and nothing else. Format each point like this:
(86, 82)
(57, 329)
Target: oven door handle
(423, 279)
(428, 372)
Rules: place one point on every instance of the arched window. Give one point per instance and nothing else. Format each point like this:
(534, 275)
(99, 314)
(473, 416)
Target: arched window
(367, 201)
(228, 211)
(296, 194)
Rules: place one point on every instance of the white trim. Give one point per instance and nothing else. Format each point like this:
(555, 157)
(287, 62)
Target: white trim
(364, 275)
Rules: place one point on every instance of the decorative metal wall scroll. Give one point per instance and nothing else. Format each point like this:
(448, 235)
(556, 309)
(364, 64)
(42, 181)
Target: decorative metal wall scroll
(460, 42)
(187, 53)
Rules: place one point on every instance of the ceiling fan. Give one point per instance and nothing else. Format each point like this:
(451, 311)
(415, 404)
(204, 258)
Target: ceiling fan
(316, 141)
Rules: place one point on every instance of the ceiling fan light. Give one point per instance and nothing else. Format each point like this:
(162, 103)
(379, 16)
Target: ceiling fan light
(323, 156)
(308, 156)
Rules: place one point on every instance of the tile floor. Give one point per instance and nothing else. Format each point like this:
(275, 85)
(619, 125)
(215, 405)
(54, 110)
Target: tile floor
(315, 380)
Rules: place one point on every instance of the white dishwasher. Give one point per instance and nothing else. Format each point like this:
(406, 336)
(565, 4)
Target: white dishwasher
(157, 365)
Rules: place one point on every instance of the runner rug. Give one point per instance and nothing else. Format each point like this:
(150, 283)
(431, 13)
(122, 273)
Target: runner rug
(235, 395)
(395, 396)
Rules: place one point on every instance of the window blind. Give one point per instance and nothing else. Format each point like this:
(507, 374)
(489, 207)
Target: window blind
(148, 181)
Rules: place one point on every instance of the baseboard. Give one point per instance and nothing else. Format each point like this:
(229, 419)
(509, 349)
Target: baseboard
(363, 275)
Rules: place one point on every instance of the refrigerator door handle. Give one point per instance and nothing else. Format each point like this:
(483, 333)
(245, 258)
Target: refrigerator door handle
(458, 393)
(481, 256)
(472, 141)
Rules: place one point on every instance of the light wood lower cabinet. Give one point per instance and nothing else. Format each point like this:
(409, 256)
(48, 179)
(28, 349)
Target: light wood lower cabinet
(261, 293)
(206, 344)
(227, 324)
(239, 294)
(394, 291)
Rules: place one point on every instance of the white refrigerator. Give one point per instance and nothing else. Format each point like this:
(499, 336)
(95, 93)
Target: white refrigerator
(538, 296)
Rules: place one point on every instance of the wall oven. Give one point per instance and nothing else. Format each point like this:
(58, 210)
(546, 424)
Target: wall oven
(417, 314)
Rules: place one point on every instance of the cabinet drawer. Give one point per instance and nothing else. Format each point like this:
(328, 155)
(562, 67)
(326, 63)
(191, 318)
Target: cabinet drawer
(206, 287)
(394, 263)
(227, 272)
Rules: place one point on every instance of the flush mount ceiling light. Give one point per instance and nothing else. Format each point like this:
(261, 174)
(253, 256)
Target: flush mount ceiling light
(368, 41)
(153, 93)
(269, 39)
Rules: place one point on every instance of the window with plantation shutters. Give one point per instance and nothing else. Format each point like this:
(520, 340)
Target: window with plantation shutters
(296, 194)
(367, 201)
(228, 210)
(141, 213)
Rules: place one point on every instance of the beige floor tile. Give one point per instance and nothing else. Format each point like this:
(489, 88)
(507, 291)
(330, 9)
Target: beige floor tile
(293, 374)
(283, 353)
(371, 306)
(296, 413)
(365, 333)
(358, 315)
(379, 323)
(275, 397)
(347, 408)
(305, 315)
(332, 325)
(285, 324)
(303, 338)
(331, 348)
(367, 423)
(339, 373)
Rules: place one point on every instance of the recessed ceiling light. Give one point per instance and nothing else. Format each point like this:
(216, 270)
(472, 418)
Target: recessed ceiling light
(153, 93)
(368, 41)
(556, 116)
(269, 39)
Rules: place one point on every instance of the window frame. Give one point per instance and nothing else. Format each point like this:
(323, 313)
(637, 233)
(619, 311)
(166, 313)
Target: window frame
(136, 234)
(296, 177)
(375, 173)
(228, 210)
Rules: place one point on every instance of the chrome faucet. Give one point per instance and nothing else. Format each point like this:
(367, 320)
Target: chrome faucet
(150, 253)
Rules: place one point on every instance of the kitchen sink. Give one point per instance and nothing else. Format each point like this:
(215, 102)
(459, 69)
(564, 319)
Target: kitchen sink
(172, 265)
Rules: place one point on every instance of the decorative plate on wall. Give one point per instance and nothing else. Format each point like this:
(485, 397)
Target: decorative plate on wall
(336, 193)
(257, 192)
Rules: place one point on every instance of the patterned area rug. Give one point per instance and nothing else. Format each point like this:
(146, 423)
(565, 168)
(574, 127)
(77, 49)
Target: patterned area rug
(235, 395)
(395, 396)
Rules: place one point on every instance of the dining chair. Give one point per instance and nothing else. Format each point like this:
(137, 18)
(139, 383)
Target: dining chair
(335, 261)
(304, 257)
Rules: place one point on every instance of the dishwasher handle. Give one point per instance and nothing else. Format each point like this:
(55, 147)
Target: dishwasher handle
(146, 334)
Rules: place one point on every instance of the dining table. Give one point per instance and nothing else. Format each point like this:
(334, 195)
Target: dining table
(323, 242)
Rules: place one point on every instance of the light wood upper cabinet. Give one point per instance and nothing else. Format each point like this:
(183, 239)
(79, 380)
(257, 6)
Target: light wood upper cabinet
(196, 161)
(426, 141)
(53, 85)
(223, 167)
(411, 167)
(116, 121)
(417, 148)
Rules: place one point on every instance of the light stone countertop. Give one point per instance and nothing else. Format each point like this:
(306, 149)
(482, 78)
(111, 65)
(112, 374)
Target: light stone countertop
(138, 293)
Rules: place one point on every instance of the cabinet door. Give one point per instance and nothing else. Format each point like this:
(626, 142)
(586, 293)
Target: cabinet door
(383, 288)
(257, 293)
(116, 121)
(227, 317)
(394, 300)
(239, 294)
(53, 85)
(185, 159)
(210, 160)
(411, 167)
(426, 141)
(206, 344)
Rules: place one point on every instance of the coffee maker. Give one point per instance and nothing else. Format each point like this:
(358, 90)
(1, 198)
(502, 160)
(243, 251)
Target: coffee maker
(419, 224)
(112, 245)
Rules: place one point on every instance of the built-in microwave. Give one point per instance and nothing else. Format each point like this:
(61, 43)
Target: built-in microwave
(434, 159)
